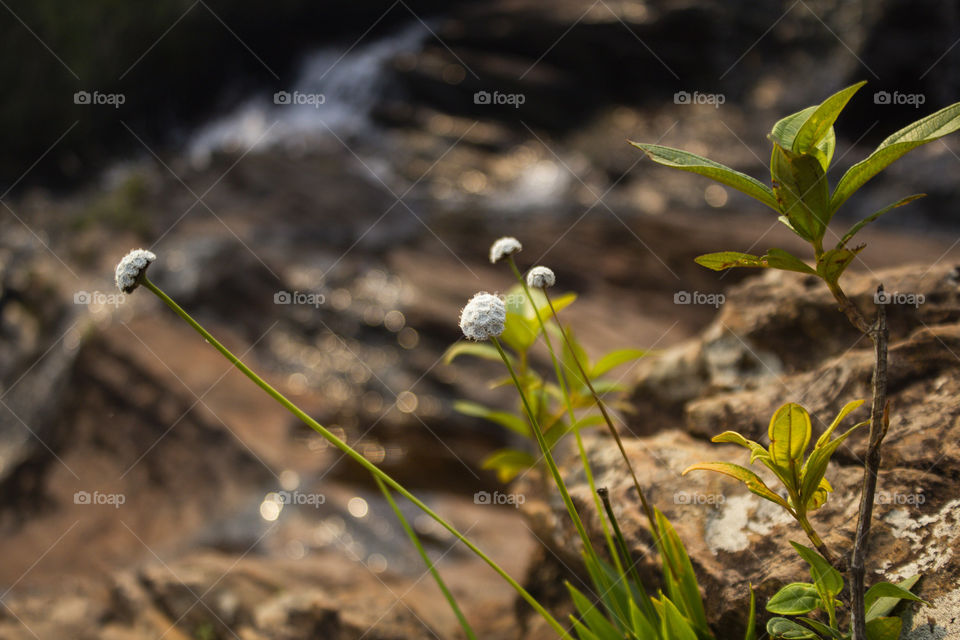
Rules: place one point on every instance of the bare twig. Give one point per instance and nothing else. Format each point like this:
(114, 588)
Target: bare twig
(879, 422)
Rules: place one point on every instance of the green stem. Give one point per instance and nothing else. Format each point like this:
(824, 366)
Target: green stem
(564, 389)
(552, 465)
(415, 539)
(818, 543)
(545, 450)
(350, 452)
(648, 511)
(644, 601)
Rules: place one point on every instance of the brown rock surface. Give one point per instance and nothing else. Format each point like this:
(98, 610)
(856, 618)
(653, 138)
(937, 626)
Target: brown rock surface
(778, 340)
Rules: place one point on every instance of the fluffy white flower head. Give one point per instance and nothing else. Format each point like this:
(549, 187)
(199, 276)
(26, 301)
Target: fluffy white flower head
(483, 317)
(504, 247)
(132, 267)
(541, 278)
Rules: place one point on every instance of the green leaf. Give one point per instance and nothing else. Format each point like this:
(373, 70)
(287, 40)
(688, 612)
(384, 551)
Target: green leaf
(888, 590)
(641, 626)
(784, 132)
(582, 632)
(834, 262)
(553, 435)
(823, 629)
(592, 616)
(729, 259)
(479, 349)
(673, 625)
(820, 495)
(784, 474)
(794, 599)
(823, 150)
(572, 370)
(816, 466)
(882, 606)
(780, 259)
(800, 186)
(925, 130)
(508, 463)
(820, 122)
(749, 478)
(508, 420)
(884, 629)
(608, 386)
(714, 170)
(847, 410)
(615, 359)
(519, 332)
(620, 592)
(756, 449)
(774, 259)
(827, 579)
(848, 236)
(559, 303)
(789, 433)
(788, 630)
(589, 421)
(682, 579)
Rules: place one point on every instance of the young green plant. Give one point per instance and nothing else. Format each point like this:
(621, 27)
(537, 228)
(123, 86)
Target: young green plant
(803, 147)
(625, 607)
(679, 577)
(804, 479)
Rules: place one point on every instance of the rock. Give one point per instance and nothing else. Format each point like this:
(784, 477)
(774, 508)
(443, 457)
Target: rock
(778, 325)
(39, 335)
(774, 342)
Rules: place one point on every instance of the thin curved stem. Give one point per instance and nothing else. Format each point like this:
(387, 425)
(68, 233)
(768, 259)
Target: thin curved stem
(648, 511)
(415, 539)
(545, 450)
(353, 454)
(565, 390)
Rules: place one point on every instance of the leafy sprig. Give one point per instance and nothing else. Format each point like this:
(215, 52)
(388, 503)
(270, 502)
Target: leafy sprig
(803, 146)
(802, 476)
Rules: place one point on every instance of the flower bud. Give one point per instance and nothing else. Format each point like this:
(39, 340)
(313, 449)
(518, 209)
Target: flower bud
(541, 278)
(504, 247)
(131, 269)
(483, 317)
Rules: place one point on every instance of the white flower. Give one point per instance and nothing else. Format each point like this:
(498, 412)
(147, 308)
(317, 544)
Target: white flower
(504, 247)
(483, 317)
(132, 268)
(541, 278)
